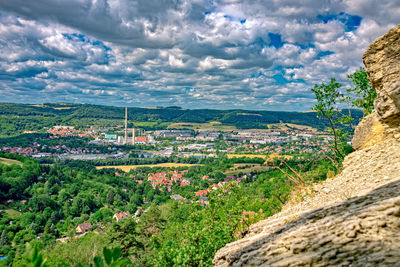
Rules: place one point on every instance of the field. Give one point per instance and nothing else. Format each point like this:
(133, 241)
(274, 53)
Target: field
(290, 126)
(127, 168)
(276, 156)
(246, 168)
(10, 161)
(213, 125)
(56, 108)
(271, 156)
(61, 108)
(249, 114)
(160, 125)
(13, 214)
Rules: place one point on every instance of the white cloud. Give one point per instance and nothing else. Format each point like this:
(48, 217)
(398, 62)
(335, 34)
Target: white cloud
(150, 51)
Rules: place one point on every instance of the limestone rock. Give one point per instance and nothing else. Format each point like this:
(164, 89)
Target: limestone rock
(356, 224)
(370, 131)
(382, 63)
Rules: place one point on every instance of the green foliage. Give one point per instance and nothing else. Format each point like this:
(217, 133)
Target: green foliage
(15, 179)
(169, 233)
(328, 96)
(363, 93)
(34, 257)
(110, 258)
(74, 252)
(124, 234)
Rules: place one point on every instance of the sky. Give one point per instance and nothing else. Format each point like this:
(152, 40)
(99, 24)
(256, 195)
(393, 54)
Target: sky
(220, 54)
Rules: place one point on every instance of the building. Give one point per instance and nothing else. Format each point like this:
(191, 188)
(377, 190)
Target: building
(83, 228)
(141, 140)
(201, 193)
(121, 215)
(178, 197)
(110, 136)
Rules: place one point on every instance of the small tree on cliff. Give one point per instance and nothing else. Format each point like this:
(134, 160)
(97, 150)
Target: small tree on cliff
(363, 95)
(328, 96)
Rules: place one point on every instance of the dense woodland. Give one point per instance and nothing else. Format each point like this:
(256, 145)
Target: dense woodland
(49, 201)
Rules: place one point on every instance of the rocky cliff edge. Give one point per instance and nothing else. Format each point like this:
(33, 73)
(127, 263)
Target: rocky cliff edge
(354, 218)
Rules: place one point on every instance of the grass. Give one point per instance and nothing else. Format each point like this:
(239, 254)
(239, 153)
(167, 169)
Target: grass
(39, 106)
(277, 156)
(213, 125)
(127, 168)
(10, 161)
(60, 108)
(249, 114)
(13, 214)
(290, 126)
(57, 108)
(251, 167)
(161, 125)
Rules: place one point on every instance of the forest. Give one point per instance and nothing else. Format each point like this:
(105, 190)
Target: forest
(41, 203)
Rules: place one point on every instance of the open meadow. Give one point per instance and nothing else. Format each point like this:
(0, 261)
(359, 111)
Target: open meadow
(10, 161)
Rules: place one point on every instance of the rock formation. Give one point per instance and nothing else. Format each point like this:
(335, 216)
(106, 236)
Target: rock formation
(382, 63)
(354, 218)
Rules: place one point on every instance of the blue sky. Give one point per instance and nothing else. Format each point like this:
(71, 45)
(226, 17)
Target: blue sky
(251, 54)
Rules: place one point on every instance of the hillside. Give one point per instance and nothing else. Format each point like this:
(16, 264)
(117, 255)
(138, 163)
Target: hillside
(34, 117)
(351, 219)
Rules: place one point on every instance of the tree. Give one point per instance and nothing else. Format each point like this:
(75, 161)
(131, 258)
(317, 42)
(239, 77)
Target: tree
(364, 94)
(327, 96)
(111, 258)
(125, 235)
(110, 197)
(3, 239)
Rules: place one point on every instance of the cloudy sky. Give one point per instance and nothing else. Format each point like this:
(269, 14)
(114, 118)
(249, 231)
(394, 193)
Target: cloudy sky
(224, 54)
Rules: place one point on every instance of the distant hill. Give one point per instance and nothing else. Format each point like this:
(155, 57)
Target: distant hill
(15, 118)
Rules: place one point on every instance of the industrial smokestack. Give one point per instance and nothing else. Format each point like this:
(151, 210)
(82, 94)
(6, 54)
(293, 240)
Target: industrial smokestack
(126, 126)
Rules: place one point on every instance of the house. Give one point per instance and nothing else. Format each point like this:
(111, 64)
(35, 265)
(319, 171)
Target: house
(185, 182)
(201, 193)
(121, 215)
(178, 197)
(83, 228)
(205, 178)
(230, 178)
(139, 212)
(203, 200)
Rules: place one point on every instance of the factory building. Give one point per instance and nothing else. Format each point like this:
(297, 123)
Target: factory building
(138, 135)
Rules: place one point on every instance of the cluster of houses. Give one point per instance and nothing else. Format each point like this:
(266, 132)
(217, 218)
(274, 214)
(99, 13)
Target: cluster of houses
(83, 228)
(36, 150)
(202, 194)
(24, 151)
(166, 179)
(69, 131)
